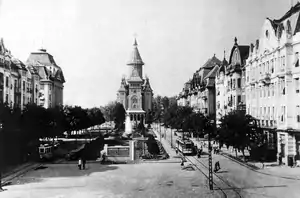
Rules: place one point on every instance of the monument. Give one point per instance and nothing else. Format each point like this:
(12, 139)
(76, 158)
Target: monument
(135, 92)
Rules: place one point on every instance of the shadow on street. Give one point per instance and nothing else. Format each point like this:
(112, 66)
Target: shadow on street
(60, 170)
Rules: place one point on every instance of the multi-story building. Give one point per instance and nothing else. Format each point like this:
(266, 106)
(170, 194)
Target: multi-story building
(272, 83)
(199, 92)
(49, 90)
(135, 92)
(230, 81)
(22, 84)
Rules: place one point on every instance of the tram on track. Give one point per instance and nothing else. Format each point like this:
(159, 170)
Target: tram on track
(185, 146)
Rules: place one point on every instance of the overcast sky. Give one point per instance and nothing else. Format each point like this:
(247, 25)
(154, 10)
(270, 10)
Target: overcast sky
(91, 40)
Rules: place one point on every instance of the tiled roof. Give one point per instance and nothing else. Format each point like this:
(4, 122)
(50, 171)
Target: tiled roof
(135, 58)
(210, 63)
(212, 72)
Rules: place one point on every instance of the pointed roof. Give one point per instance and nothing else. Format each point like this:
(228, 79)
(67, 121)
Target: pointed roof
(210, 63)
(135, 58)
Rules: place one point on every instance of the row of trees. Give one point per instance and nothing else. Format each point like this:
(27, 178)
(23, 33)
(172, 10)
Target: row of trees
(235, 129)
(23, 129)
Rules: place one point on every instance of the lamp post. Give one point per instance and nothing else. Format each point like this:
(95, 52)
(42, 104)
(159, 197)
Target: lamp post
(210, 175)
(1, 157)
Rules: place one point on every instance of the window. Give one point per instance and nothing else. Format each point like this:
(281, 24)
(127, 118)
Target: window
(239, 99)
(297, 85)
(268, 67)
(273, 112)
(269, 112)
(239, 83)
(298, 113)
(233, 83)
(282, 113)
(272, 66)
(283, 61)
(23, 85)
(6, 81)
(297, 59)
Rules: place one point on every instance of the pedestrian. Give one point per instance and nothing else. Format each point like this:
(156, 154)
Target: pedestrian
(217, 166)
(199, 154)
(103, 157)
(83, 163)
(79, 163)
(182, 161)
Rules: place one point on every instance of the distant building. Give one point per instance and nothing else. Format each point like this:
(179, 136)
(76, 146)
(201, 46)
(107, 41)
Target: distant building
(199, 92)
(135, 92)
(272, 83)
(39, 81)
(51, 78)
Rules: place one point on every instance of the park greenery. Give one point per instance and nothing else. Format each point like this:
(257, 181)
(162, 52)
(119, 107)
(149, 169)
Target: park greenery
(236, 129)
(22, 129)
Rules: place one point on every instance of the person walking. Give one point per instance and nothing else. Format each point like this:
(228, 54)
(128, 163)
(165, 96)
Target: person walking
(79, 163)
(217, 166)
(83, 163)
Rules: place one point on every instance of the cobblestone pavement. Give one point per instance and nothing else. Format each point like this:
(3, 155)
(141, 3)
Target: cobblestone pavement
(165, 179)
(251, 183)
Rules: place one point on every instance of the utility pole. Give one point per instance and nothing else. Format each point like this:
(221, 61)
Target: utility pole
(210, 176)
(171, 139)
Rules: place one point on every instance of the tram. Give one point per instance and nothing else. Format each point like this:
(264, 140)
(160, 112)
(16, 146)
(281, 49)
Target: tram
(45, 152)
(185, 146)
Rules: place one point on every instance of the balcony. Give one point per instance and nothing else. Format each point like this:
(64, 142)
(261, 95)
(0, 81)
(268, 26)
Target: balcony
(266, 78)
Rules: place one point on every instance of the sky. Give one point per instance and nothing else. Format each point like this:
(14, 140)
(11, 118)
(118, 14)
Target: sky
(91, 40)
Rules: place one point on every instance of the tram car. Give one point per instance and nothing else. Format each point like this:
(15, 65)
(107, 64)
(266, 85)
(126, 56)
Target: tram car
(46, 152)
(185, 146)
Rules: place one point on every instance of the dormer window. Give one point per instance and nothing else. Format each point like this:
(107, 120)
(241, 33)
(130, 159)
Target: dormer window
(267, 34)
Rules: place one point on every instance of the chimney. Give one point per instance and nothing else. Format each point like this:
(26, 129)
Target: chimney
(257, 44)
(251, 47)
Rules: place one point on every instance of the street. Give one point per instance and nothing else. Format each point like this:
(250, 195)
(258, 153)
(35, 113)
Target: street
(64, 180)
(247, 182)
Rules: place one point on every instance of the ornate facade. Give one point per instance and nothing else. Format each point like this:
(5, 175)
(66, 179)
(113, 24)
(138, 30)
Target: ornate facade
(22, 84)
(135, 92)
(272, 83)
(230, 82)
(199, 92)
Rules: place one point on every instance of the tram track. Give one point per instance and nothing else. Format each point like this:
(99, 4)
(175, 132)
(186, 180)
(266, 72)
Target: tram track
(220, 184)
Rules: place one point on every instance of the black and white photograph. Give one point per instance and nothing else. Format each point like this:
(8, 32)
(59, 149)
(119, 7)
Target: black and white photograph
(149, 99)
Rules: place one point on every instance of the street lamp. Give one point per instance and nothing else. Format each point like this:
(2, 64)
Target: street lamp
(210, 175)
(1, 157)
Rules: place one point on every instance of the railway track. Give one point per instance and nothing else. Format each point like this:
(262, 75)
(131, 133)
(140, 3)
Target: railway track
(220, 184)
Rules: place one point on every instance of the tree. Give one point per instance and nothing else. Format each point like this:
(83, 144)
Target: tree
(240, 131)
(108, 111)
(119, 114)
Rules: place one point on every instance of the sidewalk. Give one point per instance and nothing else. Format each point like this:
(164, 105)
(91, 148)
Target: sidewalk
(265, 168)
(18, 171)
(167, 146)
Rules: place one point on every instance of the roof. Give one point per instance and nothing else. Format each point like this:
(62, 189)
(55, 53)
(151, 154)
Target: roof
(43, 57)
(210, 63)
(294, 9)
(212, 72)
(135, 58)
(243, 49)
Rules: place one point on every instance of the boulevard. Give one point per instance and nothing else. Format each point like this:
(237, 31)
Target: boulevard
(236, 177)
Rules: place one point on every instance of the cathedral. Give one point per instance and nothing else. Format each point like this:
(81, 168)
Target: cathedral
(135, 92)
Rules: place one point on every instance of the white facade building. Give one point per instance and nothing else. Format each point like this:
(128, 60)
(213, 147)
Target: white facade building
(272, 83)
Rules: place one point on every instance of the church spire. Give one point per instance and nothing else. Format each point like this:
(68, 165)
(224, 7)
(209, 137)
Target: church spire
(135, 58)
(135, 42)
